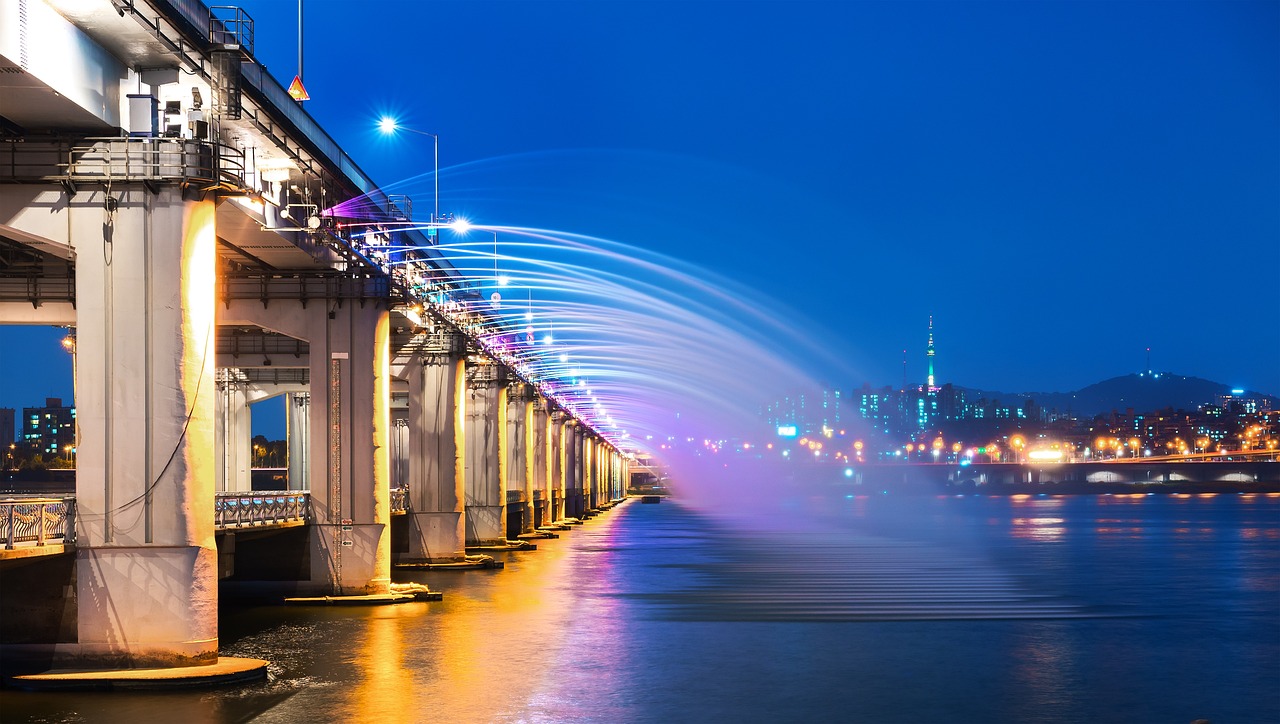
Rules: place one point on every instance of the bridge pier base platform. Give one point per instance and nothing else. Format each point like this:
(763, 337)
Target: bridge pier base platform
(225, 671)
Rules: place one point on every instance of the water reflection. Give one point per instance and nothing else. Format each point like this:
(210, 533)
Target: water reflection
(386, 684)
(912, 610)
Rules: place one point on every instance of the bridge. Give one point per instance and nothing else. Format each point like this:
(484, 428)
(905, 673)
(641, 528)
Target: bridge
(163, 196)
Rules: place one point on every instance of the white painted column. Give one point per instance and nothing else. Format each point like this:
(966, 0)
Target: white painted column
(519, 456)
(540, 460)
(437, 446)
(573, 470)
(486, 475)
(233, 438)
(298, 434)
(557, 464)
(147, 592)
(349, 422)
(589, 477)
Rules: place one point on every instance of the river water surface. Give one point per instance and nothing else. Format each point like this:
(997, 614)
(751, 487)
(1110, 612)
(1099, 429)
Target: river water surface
(1152, 608)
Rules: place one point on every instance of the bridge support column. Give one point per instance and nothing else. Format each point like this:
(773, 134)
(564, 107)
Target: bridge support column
(436, 451)
(233, 437)
(298, 434)
(350, 421)
(486, 444)
(557, 462)
(540, 460)
(620, 481)
(146, 562)
(573, 507)
(519, 459)
(590, 471)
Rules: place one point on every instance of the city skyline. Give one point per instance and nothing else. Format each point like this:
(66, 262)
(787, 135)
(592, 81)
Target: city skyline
(270, 420)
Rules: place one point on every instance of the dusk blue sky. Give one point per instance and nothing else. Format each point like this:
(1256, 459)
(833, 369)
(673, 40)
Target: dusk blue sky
(1061, 185)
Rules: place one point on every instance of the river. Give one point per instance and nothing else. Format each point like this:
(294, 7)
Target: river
(1148, 608)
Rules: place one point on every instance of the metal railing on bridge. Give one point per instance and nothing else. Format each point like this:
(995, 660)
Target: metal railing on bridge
(46, 521)
(138, 158)
(261, 508)
(41, 521)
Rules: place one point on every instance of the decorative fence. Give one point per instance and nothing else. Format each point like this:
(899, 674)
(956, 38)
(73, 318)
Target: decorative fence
(244, 510)
(42, 521)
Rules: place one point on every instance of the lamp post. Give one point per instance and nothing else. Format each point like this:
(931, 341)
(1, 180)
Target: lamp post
(388, 125)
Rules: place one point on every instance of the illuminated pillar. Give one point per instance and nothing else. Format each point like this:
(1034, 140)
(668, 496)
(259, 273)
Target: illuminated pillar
(350, 422)
(620, 481)
(540, 461)
(573, 507)
(233, 436)
(590, 479)
(147, 567)
(437, 445)
(486, 475)
(556, 451)
(520, 458)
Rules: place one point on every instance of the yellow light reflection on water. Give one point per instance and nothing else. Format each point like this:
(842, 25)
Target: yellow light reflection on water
(386, 690)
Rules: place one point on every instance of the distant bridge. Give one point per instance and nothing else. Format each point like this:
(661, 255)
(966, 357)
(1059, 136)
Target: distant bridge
(1075, 477)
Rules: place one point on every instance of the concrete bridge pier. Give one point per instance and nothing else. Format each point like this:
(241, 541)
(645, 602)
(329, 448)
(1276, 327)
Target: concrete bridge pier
(436, 451)
(519, 459)
(298, 434)
(611, 475)
(590, 453)
(557, 447)
(572, 469)
(486, 451)
(350, 422)
(540, 460)
(346, 423)
(233, 437)
(146, 561)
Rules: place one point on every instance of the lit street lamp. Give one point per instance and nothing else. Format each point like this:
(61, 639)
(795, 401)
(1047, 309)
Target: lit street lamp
(1017, 443)
(388, 125)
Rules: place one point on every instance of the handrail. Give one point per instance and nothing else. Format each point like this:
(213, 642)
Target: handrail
(124, 158)
(260, 508)
(37, 520)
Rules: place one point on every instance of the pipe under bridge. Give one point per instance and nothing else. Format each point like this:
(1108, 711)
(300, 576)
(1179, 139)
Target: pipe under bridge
(180, 231)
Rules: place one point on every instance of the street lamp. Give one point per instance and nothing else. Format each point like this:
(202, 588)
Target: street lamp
(388, 126)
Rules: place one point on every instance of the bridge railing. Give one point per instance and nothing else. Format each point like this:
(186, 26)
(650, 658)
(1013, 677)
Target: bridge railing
(41, 521)
(260, 508)
(399, 501)
(138, 158)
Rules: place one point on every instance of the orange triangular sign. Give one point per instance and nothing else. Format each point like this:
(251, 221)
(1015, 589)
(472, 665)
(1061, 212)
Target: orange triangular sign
(296, 91)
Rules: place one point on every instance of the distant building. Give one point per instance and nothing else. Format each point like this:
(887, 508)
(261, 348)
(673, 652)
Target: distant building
(50, 430)
(8, 430)
(808, 414)
(1237, 402)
